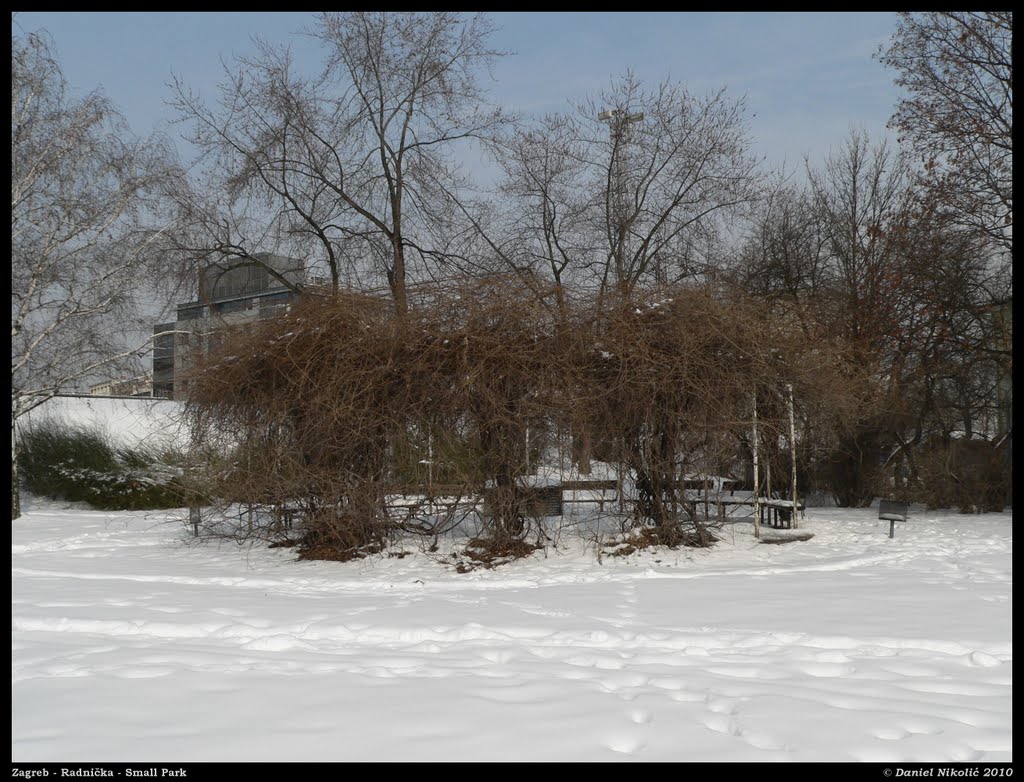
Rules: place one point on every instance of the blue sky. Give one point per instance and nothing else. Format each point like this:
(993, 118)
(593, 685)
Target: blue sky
(808, 77)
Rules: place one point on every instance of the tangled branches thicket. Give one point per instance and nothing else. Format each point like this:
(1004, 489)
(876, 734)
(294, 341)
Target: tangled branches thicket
(338, 405)
(669, 385)
(363, 424)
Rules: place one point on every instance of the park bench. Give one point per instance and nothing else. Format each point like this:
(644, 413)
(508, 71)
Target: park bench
(778, 512)
(606, 491)
(419, 498)
(892, 511)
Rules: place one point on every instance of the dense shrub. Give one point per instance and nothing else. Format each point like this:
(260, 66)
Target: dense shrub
(68, 462)
(972, 475)
(669, 380)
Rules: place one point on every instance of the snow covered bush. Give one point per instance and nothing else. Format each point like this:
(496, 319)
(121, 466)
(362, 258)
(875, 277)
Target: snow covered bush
(79, 464)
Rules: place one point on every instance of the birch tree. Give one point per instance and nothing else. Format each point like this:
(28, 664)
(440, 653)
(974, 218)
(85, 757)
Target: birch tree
(80, 243)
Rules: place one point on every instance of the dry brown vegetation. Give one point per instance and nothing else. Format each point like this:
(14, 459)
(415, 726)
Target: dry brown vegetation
(338, 405)
(359, 423)
(670, 383)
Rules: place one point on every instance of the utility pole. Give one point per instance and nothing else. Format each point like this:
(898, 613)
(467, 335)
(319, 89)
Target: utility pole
(618, 121)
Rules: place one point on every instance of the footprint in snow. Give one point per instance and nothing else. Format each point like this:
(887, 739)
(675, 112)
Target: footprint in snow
(890, 734)
(720, 705)
(984, 660)
(627, 745)
(640, 716)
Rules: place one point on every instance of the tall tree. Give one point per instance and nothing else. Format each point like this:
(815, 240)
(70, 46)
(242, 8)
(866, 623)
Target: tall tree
(630, 187)
(873, 263)
(786, 253)
(957, 67)
(864, 197)
(81, 233)
(349, 164)
(668, 165)
(548, 204)
(834, 259)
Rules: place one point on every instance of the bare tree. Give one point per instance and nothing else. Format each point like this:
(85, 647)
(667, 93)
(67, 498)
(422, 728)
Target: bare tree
(668, 164)
(864, 197)
(549, 204)
(347, 166)
(958, 68)
(627, 190)
(786, 254)
(867, 259)
(949, 353)
(620, 194)
(80, 235)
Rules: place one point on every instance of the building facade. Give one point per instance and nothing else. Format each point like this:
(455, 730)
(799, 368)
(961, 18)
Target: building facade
(136, 386)
(229, 294)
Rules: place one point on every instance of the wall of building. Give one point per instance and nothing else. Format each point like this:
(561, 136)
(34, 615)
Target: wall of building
(229, 295)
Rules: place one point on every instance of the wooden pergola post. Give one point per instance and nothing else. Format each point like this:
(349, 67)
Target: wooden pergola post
(757, 501)
(792, 448)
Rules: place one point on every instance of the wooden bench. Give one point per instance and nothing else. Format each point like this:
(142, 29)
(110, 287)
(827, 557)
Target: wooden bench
(596, 486)
(892, 511)
(778, 512)
(530, 501)
(414, 498)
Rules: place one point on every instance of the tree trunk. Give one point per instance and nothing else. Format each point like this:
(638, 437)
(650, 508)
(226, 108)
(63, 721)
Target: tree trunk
(397, 277)
(15, 488)
(581, 449)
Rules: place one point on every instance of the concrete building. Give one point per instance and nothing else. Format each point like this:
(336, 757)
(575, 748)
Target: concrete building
(229, 294)
(136, 386)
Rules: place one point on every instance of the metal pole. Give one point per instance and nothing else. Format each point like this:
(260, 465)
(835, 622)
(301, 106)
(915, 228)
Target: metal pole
(618, 120)
(757, 499)
(792, 448)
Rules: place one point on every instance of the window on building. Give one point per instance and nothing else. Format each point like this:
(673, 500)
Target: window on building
(238, 305)
(190, 313)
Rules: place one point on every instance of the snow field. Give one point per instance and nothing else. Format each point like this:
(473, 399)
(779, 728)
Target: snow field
(129, 644)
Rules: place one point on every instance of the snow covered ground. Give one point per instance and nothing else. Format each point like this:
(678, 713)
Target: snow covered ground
(129, 644)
